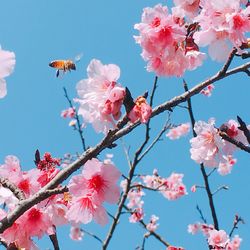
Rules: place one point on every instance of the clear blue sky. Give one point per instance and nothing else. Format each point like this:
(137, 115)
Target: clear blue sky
(41, 31)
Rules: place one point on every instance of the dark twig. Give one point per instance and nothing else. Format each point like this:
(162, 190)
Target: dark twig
(153, 91)
(153, 233)
(111, 137)
(235, 142)
(92, 235)
(243, 127)
(157, 138)
(78, 127)
(54, 240)
(237, 220)
(13, 188)
(203, 171)
(201, 214)
(220, 188)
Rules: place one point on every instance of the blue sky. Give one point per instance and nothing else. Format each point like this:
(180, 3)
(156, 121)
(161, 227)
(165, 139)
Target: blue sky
(41, 31)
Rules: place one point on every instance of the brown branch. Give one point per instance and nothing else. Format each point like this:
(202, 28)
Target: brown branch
(13, 188)
(203, 171)
(243, 127)
(156, 235)
(108, 140)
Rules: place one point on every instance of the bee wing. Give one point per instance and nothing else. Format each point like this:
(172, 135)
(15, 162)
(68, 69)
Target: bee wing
(78, 57)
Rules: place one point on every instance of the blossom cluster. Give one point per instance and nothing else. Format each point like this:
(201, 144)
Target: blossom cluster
(170, 41)
(70, 113)
(171, 187)
(179, 131)
(83, 202)
(217, 239)
(209, 148)
(100, 96)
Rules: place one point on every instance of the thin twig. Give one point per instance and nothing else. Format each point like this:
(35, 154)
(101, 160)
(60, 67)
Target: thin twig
(243, 127)
(157, 138)
(220, 188)
(237, 220)
(205, 177)
(201, 214)
(153, 233)
(111, 137)
(92, 235)
(79, 127)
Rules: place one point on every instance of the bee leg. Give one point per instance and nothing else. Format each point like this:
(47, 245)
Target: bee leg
(57, 73)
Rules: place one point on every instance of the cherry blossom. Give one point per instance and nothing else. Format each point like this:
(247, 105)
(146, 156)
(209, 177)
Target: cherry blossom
(137, 215)
(152, 225)
(76, 233)
(100, 97)
(208, 90)
(7, 62)
(96, 184)
(234, 244)
(165, 43)
(222, 26)
(175, 248)
(205, 146)
(68, 113)
(141, 110)
(179, 131)
(218, 239)
(172, 187)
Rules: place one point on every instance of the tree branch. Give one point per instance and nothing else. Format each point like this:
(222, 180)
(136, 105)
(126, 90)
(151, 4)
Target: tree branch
(112, 136)
(203, 171)
(13, 188)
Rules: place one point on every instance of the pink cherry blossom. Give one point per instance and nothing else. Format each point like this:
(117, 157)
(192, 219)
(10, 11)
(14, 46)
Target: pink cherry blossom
(225, 167)
(232, 130)
(135, 197)
(165, 42)
(205, 146)
(7, 62)
(193, 228)
(175, 248)
(68, 113)
(193, 188)
(208, 90)
(141, 110)
(179, 131)
(222, 26)
(152, 225)
(190, 8)
(218, 239)
(173, 187)
(85, 208)
(100, 97)
(234, 244)
(137, 215)
(96, 184)
(76, 233)
(11, 168)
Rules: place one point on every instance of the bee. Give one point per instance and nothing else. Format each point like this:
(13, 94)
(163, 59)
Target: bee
(64, 65)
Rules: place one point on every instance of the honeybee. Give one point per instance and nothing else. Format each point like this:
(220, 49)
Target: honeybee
(64, 65)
